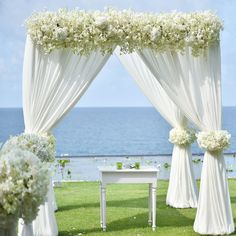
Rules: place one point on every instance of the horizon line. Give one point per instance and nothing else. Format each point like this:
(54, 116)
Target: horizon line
(20, 107)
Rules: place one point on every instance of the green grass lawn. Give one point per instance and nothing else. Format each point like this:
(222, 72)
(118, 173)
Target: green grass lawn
(127, 210)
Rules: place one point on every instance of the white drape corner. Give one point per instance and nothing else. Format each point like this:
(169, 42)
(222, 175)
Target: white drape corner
(182, 189)
(194, 84)
(52, 85)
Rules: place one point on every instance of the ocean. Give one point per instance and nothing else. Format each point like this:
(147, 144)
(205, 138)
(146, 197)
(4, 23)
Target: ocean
(92, 137)
(111, 131)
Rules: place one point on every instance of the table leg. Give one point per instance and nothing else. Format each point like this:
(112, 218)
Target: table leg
(150, 205)
(101, 206)
(153, 208)
(104, 208)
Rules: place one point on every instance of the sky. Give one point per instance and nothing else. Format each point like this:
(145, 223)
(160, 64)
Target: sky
(113, 86)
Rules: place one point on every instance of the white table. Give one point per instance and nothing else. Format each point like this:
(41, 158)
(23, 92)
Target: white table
(146, 175)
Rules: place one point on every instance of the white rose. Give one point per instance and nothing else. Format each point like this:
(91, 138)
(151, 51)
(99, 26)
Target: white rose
(44, 28)
(182, 27)
(155, 33)
(199, 36)
(60, 33)
(101, 22)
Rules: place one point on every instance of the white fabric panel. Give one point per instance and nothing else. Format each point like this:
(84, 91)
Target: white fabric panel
(51, 196)
(27, 230)
(214, 214)
(152, 89)
(45, 223)
(182, 190)
(52, 84)
(194, 84)
(24, 229)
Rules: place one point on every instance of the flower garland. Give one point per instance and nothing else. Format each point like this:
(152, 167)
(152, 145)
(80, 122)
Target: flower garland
(85, 32)
(182, 137)
(43, 146)
(214, 141)
(23, 185)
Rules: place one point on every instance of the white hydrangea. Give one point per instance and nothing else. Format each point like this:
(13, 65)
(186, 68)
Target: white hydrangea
(43, 146)
(24, 181)
(214, 141)
(84, 31)
(182, 137)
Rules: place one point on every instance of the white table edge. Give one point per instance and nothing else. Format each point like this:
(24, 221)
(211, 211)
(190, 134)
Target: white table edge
(114, 169)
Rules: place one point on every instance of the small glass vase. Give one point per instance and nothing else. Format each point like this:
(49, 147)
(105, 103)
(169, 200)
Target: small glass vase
(137, 165)
(119, 165)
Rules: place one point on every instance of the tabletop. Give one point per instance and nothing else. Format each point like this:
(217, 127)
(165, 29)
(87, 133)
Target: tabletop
(114, 169)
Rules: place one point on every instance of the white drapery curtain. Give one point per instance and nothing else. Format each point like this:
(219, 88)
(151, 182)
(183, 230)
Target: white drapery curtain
(194, 83)
(52, 84)
(182, 190)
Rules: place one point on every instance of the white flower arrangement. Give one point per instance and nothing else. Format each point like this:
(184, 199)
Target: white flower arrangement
(214, 141)
(43, 146)
(84, 31)
(182, 137)
(24, 181)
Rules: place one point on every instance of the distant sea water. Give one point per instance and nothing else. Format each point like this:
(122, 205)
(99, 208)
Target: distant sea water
(111, 131)
(103, 136)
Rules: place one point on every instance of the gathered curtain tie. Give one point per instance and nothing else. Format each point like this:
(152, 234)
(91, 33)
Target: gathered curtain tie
(182, 136)
(214, 141)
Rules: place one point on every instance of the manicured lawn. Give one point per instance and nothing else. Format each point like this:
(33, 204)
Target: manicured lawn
(127, 212)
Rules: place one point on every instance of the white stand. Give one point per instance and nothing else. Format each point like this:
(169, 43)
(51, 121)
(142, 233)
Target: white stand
(145, 175)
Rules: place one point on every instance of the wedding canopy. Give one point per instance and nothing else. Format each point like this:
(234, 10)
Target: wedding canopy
(173, 57)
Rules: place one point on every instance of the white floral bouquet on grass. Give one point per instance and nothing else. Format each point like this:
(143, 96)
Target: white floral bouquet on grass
(214, 141)
(86, 31)
(43, 146)
(24, 182)
(182, 137)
